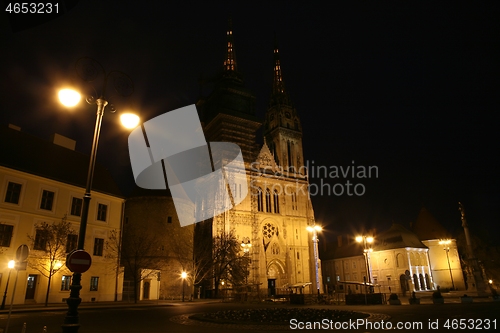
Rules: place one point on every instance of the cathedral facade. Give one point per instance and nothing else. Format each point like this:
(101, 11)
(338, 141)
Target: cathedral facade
(271, 221)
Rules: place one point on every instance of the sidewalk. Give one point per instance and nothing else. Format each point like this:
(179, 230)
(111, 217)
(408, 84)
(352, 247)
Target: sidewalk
(32, 307)
(449, 297)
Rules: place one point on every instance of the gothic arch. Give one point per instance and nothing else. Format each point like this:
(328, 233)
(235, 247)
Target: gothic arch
(280, 267)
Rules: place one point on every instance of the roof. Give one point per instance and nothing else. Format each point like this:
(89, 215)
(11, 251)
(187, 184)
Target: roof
(26, 153)
(427, 227)
(397, 237)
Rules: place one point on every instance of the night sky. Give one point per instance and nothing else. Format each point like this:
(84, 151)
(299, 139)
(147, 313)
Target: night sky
(409, 88)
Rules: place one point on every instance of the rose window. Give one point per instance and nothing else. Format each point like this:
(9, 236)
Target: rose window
(269, 230)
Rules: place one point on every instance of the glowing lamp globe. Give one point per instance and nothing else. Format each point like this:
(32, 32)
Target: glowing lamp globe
(69, 97)
(129, 120)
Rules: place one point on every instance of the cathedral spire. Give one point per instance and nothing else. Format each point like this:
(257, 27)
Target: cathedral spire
(230, 59)
(279, 95)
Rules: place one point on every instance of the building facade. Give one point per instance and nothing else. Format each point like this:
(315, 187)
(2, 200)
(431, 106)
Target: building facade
(399, 261)
(44, 182)
(277, 210)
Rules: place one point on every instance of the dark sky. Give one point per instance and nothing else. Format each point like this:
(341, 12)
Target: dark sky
(410, 88)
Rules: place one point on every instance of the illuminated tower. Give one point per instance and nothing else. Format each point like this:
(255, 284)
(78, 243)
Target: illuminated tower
(228, 113)
(282, 128)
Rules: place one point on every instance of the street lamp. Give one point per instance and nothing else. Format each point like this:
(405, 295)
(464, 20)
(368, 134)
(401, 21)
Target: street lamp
(366, 240)
(183, 276)
(446, 243)
(89, 70)
(246, 245)
(10, 265)
(315, 229)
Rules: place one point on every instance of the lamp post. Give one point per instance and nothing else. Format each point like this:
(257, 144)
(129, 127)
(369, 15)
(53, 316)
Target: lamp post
(366, 240)
(446, 243)
(89, 69)
(315, 229)
(183, 276)
(246, 245)
(10, 265)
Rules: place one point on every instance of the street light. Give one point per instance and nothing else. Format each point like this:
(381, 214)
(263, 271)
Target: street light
(10, 265)
(183, 276)
(366, 240)
(315, 229)
(89, 70)
(246, 245)
(446, 243)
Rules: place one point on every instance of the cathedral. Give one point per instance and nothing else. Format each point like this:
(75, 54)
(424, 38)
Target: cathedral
(271, 221)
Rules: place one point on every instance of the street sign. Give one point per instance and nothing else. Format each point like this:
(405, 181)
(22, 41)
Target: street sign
(79, 261)
(22, 252)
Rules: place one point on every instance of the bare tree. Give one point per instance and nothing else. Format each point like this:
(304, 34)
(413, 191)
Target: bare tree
(195, 260)
(49, 244)
(140, 250)
(228, 263)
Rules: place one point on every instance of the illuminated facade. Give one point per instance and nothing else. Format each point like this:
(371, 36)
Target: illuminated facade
(42, 181)
(277, 210)
(400, 261)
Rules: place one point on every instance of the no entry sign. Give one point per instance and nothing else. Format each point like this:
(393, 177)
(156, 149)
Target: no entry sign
(79, 261)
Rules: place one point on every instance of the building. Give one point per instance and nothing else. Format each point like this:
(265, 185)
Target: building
(155, 247)
(399, 260)
(443, 251)
(277, 210)
(271, 221)
(43, 181)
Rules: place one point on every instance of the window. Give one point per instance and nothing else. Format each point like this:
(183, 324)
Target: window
(260, 206)
(5, 234)
(276, 202)
(102, 211)
(98, 246)
(13, 193)
(66, 282)
(76, 206)
(94, 283)
(298, 255)
(354, 264)
(40, 240)
(169, 219)
(71, 243)
(268, 201)
(47, 200)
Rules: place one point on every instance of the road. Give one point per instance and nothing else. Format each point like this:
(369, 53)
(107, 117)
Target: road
(158, 319)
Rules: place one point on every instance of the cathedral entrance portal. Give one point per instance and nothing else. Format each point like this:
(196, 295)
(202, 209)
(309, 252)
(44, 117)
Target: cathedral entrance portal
(275, 277)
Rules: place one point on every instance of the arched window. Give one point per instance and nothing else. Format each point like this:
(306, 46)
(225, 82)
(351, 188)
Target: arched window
(415, 282)
(276, 202)
(412, 259)
(260, 206)
(399, 260)
(268, 201)
(427, 281)
(423, 259)
(422, 283)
